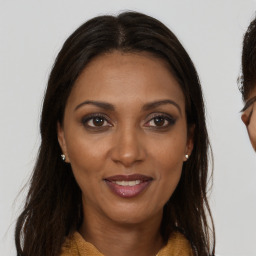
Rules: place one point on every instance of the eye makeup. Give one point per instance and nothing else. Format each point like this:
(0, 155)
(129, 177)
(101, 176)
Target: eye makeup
(160, 121)
(101, 122)
(96, 122)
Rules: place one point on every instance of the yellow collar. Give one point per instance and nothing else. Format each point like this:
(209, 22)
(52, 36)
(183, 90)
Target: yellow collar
(177, 245)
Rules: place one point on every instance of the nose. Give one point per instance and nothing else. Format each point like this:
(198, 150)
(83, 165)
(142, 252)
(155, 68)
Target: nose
(128, 147)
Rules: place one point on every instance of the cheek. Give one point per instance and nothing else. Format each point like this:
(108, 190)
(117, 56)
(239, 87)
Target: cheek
(169, 169)
(168, 161)
(87, 163)
(170, 151)
(87, 158)
(168, 177)
(84, 149)
(252, 128)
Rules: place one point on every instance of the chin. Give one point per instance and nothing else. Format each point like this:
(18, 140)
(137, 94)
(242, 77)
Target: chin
(133, 216)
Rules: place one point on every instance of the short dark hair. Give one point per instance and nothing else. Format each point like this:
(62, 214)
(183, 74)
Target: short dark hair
(53, 205)
(248, 78)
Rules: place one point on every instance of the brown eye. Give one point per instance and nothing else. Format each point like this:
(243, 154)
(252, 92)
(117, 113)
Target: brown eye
(98, 121)
(95, 121)
(159, 121)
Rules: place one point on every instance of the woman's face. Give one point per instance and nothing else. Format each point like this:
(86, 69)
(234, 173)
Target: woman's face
(249, 117)
(125, 135)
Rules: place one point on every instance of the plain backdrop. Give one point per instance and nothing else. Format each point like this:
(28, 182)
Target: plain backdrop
(32, 33)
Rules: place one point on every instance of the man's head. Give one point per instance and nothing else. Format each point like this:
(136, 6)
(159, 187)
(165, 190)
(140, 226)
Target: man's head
(248, 81)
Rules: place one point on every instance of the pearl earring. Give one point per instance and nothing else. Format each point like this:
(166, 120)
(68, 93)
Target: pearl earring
(63, 157)
(186, 156)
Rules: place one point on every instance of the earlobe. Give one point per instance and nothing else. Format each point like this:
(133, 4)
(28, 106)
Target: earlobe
(62, 142)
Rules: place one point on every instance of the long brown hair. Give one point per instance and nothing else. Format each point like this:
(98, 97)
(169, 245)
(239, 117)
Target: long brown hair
(53, 205)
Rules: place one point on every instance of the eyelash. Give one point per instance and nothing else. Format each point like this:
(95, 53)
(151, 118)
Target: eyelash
(92, 117)
(168, 121)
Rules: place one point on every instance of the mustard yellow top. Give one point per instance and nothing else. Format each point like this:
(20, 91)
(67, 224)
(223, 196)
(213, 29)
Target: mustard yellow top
(177, 245)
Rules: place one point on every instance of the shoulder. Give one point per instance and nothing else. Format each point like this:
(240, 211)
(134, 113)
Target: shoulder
(178, 245)
(69, 246)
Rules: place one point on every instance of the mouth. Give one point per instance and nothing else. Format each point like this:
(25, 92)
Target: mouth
(127, 186)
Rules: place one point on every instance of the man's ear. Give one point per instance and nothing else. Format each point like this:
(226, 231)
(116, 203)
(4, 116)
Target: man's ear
(245, 118)
(62, 141)
(190, 141)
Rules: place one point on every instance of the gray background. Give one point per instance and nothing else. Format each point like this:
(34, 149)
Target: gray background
(31, 34)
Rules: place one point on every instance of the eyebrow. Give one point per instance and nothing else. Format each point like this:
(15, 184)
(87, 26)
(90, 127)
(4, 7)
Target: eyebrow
(99, 104)
(146, 107)
(155, 104)
(249, 103)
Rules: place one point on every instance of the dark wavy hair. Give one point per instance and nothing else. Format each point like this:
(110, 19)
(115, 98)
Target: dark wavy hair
(248, 78)
(52, 209)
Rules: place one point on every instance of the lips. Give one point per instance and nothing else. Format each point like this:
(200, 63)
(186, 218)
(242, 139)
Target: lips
(128, 186)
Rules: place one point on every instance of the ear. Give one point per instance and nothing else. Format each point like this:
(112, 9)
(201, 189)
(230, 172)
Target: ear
(62, 141)
(245, 118)
(190, 142)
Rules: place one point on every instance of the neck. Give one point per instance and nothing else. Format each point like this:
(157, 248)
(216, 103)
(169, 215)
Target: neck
(123, 239)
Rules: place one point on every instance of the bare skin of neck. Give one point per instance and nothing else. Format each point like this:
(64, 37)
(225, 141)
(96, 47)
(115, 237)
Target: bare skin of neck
(113, 239)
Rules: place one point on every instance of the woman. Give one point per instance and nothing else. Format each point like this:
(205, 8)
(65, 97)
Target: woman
(124, 110)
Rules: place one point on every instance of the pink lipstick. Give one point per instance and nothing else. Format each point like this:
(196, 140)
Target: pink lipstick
(128, 186)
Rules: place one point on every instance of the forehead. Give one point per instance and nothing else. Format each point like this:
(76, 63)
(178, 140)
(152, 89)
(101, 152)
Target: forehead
(118, 76)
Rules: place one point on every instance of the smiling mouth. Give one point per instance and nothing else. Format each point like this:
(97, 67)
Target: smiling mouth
(128, 183)
(127, 186)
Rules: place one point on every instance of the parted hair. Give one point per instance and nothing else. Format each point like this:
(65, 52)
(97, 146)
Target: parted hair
(248, 79)
(53, 209)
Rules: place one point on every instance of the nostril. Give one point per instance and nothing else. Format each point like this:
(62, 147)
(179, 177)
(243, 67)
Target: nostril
(128, 154)
(127, 158)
